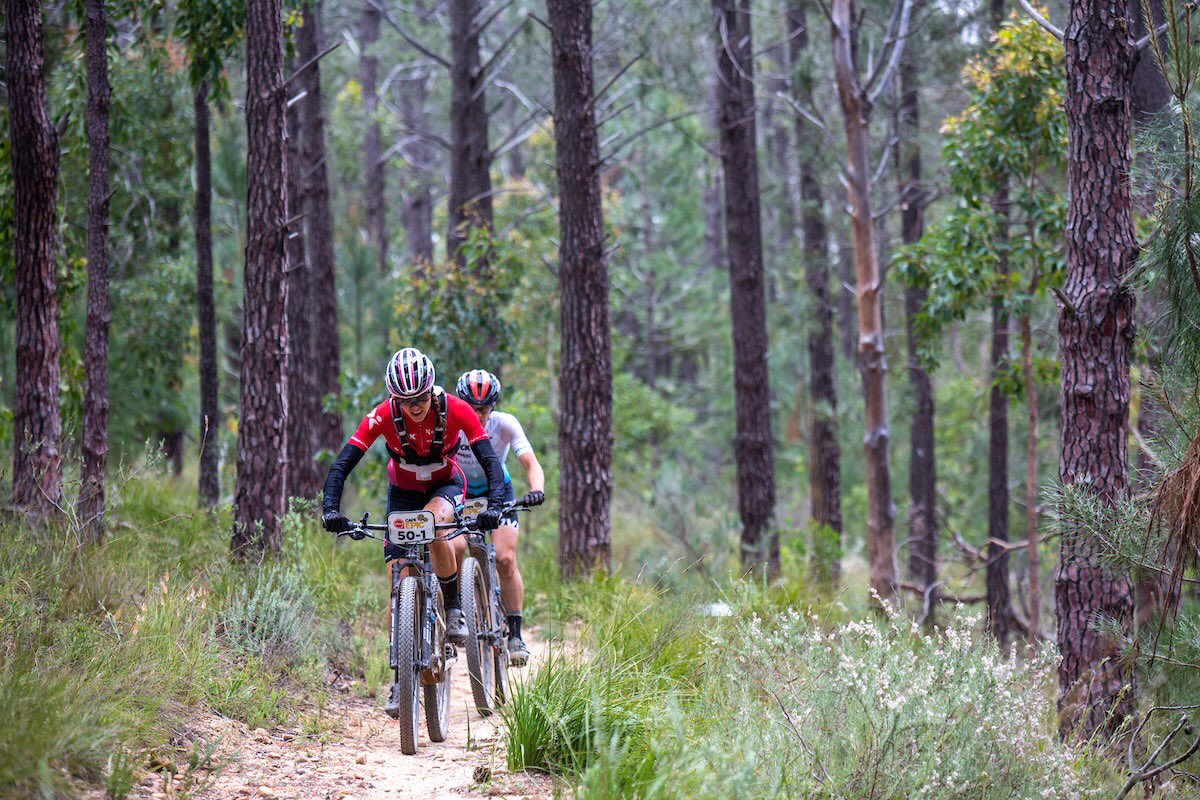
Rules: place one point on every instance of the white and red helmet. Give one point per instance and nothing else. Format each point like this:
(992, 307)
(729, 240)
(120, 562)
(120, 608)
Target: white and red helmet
(409, 373)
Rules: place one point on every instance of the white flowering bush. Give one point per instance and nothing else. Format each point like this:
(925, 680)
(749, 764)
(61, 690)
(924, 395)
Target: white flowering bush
(881, 709)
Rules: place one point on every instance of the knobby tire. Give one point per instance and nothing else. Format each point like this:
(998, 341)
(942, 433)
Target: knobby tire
(437, 696)
(480, 662)
(407, 630)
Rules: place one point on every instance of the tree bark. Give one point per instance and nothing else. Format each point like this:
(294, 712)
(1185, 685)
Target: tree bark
(318, 231)
(743, 227)
(418, 200)
(470, 203)
(304, 409)
(90, 508)
(262, 432)
(210, 423)
(824, 451)
(37, 424)
(1096, 330)
(922, 465)
(881, 541)
(374, 167)
(1031, 481)
(585, 434)
(999, 598)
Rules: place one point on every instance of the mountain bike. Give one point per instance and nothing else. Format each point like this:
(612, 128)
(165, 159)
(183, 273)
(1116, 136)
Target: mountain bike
(487, 619)
(419, 654)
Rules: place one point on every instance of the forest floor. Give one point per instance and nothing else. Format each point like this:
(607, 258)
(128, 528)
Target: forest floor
(356, 755)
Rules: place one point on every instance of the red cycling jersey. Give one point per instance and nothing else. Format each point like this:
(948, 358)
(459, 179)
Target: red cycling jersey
(419, 477)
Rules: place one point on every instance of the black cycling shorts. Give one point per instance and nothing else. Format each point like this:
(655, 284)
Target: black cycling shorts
(511, 519)
(410, 500)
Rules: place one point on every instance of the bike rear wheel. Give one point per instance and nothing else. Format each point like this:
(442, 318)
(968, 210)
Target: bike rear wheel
(437, 696)
(480, 660)
(406, 629)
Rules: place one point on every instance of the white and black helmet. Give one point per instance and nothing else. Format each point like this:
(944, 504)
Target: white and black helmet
(409, 373)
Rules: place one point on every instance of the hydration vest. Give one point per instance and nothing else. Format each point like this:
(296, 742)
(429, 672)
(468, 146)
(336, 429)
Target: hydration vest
(408, 453)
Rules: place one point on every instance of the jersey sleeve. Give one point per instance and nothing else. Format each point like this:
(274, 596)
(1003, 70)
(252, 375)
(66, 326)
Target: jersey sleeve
(516, 437)
(372, 426)
(462, 416)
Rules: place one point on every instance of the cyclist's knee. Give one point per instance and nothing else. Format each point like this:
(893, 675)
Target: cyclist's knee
(506, 563)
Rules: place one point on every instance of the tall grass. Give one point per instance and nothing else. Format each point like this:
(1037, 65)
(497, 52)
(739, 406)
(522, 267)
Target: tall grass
(655, 699)
(104, 649)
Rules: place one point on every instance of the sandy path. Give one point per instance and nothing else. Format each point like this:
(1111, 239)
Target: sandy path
(358, 757)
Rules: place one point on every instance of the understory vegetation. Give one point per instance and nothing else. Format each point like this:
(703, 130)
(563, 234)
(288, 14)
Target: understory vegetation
(663, 693)
(108, 650)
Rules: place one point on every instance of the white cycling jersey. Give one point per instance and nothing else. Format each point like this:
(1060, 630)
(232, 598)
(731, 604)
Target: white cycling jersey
(505, 432)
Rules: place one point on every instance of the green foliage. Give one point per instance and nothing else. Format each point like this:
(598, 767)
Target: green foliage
(458, 314)
(154, 310)
(212, 30)
(1011, 137)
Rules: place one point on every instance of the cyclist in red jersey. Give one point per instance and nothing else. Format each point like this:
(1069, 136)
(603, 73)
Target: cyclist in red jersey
(420, 425)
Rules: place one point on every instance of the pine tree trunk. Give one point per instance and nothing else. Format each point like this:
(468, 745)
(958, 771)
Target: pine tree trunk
(304, 409)
(739, 160)
(999, 597)
(585, 433)
(1096, 331)
(262, 433)
(418, 200)
(37, 424)
(824, 451)
(470, 203)
(1031, 481)
(881, 537)
(318, 231)
(210, 421)
(95, 377)
(922, 465)
(374, 167)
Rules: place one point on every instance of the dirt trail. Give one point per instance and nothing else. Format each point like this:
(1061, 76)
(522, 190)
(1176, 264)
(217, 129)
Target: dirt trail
(360, 759)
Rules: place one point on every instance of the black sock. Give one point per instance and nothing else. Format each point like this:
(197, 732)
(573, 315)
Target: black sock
(450, 590)
(514, 625)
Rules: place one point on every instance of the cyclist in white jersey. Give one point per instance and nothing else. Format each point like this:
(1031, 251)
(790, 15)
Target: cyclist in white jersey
(481, 389)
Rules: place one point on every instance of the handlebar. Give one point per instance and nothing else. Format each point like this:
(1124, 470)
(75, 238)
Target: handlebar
(459, 526)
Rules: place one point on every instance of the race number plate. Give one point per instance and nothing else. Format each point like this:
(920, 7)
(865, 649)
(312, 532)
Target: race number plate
(471, 508)
(410, 527)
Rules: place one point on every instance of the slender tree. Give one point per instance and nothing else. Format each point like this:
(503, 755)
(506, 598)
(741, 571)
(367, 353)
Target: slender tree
(825, 454)
(470, 202)
(922, 466)
(95, 377)
(304, 402)
(856, 97)
(211, 31)
(1096, 333)
(585, 433)
(418, 197)
(262, 433)
(37, 425)
(318, 232)
(743, 229)
(210, 386)
(999, 597)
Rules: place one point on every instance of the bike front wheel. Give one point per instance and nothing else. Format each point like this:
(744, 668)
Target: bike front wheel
(406, 630)
(480, 660)
(437, 696)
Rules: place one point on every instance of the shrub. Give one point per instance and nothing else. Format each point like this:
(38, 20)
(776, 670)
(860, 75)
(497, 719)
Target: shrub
(271, 617)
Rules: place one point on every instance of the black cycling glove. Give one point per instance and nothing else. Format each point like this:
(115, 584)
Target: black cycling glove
(336, 522)
(534, 498)
(488, 519)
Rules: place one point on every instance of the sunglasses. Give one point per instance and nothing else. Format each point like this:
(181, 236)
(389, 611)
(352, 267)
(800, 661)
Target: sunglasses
(415, 402)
